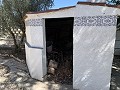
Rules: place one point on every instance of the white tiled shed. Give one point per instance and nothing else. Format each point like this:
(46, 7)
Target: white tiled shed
(94, 36)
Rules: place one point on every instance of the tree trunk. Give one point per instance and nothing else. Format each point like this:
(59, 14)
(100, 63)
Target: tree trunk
(22, 38)
(15, 41)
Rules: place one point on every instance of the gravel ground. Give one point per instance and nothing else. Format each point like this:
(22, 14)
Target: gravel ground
(14, 75)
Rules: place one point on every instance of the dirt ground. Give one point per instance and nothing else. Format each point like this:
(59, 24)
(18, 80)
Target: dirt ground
(14, 75)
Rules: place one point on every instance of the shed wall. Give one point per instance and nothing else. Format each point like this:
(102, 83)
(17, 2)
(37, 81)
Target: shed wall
(94, 38)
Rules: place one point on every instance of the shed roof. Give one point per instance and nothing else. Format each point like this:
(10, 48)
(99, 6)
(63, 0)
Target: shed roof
(51, 10)
(82, 3)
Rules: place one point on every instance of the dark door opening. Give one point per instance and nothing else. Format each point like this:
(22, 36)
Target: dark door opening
(115, 80)
(59, 49)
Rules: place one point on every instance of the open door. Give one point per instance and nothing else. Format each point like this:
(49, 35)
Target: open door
(35, 48)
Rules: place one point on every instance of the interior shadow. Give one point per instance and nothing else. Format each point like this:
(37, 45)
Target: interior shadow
(59, 49)
(115, 76)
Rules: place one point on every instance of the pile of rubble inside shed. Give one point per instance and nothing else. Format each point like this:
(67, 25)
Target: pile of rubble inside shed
(60, 65)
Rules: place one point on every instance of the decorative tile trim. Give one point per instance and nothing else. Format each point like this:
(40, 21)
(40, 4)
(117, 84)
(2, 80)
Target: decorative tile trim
(34, 22)
(110, 20)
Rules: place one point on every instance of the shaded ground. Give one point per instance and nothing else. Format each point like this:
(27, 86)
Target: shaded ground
(14, 75)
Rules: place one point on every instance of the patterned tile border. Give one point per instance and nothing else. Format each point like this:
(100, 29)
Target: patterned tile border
(110, 20)
(34, 22)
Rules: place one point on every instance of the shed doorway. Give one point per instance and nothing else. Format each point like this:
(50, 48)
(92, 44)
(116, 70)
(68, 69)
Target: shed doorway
(116, 60)
(59, 49)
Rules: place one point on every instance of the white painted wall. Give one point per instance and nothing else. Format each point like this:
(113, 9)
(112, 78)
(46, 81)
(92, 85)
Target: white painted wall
(93, 56)
(35, 36)
(93, 49)
(34, 62)
(36, 52)
(89, 10)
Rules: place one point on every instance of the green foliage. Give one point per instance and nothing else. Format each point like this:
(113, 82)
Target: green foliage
(40, 5)
(113, 2)
(12, 14)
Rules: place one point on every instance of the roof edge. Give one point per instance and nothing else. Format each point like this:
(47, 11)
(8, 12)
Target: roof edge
(98, 4)
(51, 10)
